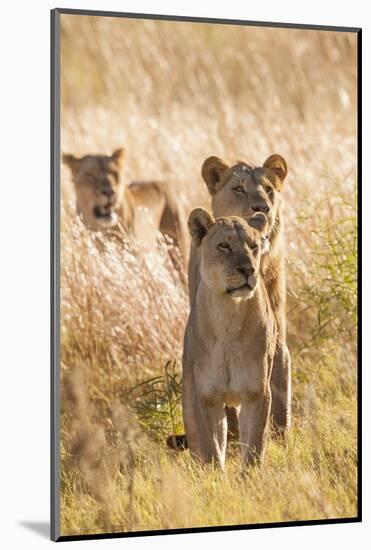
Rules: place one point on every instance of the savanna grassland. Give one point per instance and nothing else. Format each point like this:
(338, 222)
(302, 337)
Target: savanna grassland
(173, 94)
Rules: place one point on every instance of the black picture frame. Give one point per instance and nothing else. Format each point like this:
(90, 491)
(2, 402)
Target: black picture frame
(55, 269)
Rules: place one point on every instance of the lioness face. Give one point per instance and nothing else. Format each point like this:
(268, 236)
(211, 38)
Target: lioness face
(98, 186)
(231, 249)
(241, 189)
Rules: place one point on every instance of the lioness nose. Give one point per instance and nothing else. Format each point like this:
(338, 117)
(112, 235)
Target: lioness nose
(246, 269)
(261, 207)
(107, 191)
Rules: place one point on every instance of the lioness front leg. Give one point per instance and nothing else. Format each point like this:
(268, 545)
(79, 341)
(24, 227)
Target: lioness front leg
(253, 426)
(281, 388)
(206, 429)
(281, 371)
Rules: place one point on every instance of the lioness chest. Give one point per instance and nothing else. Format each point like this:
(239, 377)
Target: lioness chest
(232, 369)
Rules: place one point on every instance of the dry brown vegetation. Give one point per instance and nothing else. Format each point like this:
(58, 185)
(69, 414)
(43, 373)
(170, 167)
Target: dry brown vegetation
(173, 94)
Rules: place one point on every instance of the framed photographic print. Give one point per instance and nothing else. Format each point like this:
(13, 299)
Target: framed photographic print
(205, 226)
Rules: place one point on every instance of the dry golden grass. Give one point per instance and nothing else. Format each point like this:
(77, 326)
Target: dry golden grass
(173, 94)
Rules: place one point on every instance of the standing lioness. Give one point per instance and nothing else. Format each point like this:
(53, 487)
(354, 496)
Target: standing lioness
(105, 201)
(240, 190)
(230, 339)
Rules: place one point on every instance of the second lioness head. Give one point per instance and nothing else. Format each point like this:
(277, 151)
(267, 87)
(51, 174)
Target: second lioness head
(231, 249)
(242, 189)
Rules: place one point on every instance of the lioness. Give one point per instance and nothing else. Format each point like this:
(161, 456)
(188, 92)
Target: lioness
(105, 201)
(230, 339)
(240, 190)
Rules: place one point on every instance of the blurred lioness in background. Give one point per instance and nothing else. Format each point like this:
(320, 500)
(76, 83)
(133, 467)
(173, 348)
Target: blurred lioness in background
(105, 201)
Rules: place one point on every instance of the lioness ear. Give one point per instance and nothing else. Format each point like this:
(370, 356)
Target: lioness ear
(119, 155)
(276, 166)
(199, 222)
(258, 221)
(212, 171)
(72, 162)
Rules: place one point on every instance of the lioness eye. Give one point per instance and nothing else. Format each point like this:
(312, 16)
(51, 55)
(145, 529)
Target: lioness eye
(114, 175)
(224, 247)
(269, 189)
(238, 189)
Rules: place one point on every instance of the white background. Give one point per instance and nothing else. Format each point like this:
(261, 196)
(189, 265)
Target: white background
(24, 268)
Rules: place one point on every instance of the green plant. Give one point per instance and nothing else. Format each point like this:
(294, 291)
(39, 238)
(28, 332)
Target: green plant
(325, 282)
(157, 402)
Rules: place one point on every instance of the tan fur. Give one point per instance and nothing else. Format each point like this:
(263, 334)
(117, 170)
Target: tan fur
(230, 339)
(104, 200)
(261, 190)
